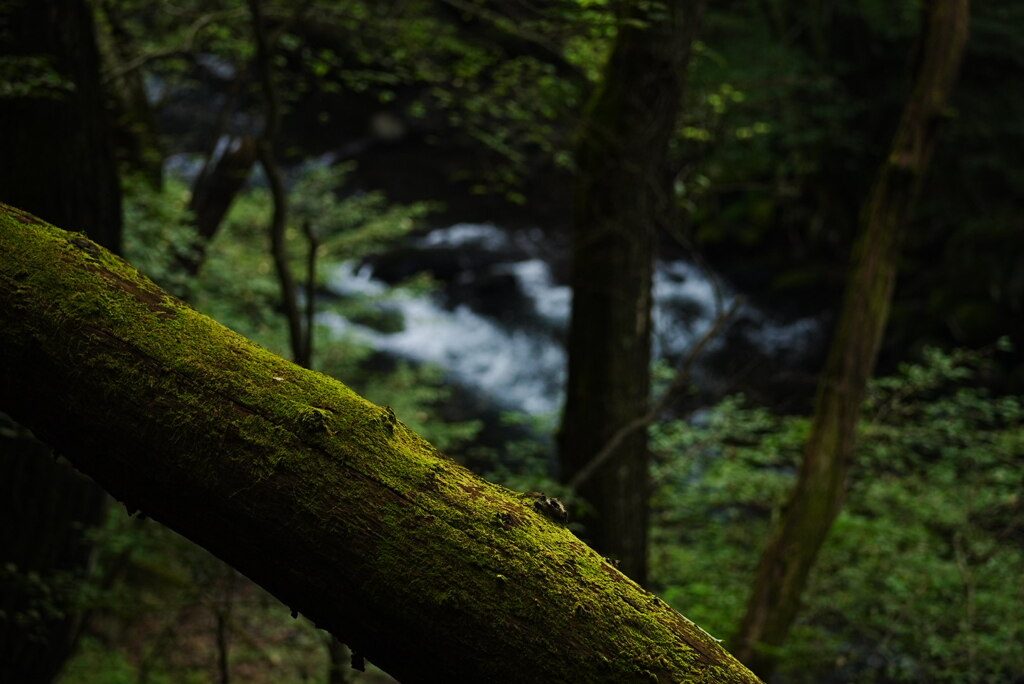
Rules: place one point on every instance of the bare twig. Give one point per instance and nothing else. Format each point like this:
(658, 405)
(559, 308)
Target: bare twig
(181, 48)
(678, 234)
(680, 381)
(723, 316)
(504, 23)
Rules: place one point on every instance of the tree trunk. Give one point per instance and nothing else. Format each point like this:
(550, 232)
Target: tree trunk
(57, 160)
(821, 487)
(215, 190)
(323, 498)
(265, 47)
(623, 194)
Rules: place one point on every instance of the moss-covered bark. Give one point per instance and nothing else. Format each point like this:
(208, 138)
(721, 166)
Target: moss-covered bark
(818, 496)
(325, 499)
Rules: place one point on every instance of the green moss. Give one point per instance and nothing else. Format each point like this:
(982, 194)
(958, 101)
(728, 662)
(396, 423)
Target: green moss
(238, 423)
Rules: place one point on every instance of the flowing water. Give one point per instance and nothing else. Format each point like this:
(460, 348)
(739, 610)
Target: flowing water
(496, 324)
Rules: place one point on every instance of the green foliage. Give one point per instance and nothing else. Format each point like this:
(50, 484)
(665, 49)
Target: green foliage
(478, 76)
(919, 580)
(524, 463)
(156, 599)
(764, 118)
(416, 393)
(514, 115)
(789, 112)
(159, 232)
(96, 663)
(26, 75)
(47, 598)
(354, 227)
(511, 106)
(238, 286)
(32, 76)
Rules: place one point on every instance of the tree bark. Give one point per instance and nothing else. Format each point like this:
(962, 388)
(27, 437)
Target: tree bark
(623, 194)
(828, 452)
(138, 134)
(58, 161)
(321, 497)
(58, 158)
(215, 190)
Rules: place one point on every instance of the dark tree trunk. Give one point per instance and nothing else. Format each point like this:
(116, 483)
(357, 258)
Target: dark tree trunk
(325, 499)
(57, 161)
(56, 147)
(215, 190)
(821, 487)
(623, 195)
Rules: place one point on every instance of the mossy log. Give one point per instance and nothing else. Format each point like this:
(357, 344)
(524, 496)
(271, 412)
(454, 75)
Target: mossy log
(320, 496)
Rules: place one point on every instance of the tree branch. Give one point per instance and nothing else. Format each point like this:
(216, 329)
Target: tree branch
(326, 500)
(679, 382)
(182, 48)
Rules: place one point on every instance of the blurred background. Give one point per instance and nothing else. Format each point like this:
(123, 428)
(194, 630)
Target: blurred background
(385, 192)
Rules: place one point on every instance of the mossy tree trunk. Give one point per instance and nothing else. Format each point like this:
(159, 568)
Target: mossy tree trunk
(56, 159)
(323, 498)
(623, 195)
(828, 452)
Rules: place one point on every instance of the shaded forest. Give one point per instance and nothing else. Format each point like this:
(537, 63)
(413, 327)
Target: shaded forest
(730, 292)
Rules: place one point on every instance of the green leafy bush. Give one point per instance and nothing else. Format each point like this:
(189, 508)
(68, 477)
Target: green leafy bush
(920, 577)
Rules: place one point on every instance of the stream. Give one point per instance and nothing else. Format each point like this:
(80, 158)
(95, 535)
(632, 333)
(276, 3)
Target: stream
(497, 320)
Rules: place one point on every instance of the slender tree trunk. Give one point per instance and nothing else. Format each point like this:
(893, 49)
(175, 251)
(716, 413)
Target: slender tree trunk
(57, 160)
(215, 190)
(623, 194)
(821, 487)
(323, 498)
(265, 44)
